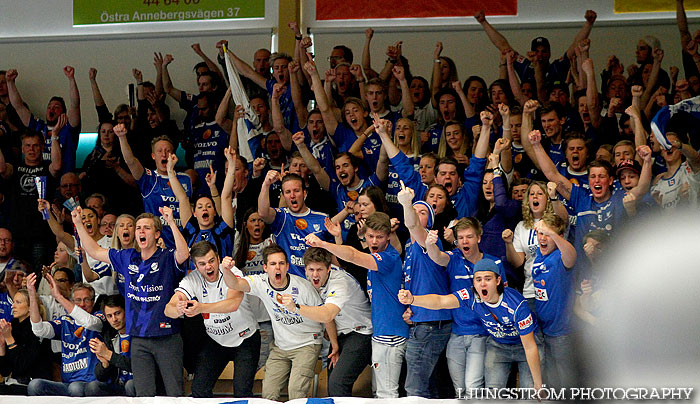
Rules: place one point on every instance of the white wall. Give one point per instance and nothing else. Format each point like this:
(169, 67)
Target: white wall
(466, 43)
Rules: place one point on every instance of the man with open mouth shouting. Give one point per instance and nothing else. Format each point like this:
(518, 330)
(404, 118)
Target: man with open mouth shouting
(291, 224)
(384, 278)
(155, 186)
(294, 352)
(339, 292)
(505, 315)
(151, 276)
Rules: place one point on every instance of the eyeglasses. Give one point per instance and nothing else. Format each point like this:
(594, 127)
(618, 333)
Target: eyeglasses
(86, 300)
(108, 224)
(5, 240)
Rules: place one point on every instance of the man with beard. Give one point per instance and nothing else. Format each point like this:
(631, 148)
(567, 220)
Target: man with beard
(465, 196)
(292, 223)
(67, 134)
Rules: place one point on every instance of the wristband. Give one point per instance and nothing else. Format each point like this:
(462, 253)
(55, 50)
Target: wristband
(298, 38)
(553, 199)
(12, 345)
(215, 196)
(298, 307)
(390, 60)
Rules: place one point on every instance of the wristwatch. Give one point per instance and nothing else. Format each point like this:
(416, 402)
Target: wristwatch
(298, 307)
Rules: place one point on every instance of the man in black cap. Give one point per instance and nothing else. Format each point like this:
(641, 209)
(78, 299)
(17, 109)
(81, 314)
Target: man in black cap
(539, 50)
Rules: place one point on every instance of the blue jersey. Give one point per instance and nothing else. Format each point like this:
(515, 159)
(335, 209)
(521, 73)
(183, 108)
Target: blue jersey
(149, 286)
(221, 235)
(460, 273)
(556, 153)
(324, 151)
(403, 168)
(5, 306)
(592, 215)
(209, 141)
(189, 103)
(344, 137)
(467, 196)
(157, 193)
(65, 139)
(556, 71)
(554, 297)
(343, 195)
(290, 230)
(505, 320)
(433, 142)
(124, 342)
(77, 362)
(422, 276)
(383, 287)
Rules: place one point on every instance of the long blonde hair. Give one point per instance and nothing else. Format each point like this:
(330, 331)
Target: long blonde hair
(42, 309)
(466, 140)
(415, 138)
(528, 218)
(116, 242)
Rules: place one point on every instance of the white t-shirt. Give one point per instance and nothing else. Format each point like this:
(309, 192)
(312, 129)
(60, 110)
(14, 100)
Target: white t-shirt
(344, 291)
(228, 329)
(54, 310)
(254, 266)
(669, 189)
(525, 241)
(291, 330)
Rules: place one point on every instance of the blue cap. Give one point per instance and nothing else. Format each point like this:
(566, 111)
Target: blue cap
(431, 212)
(486, 264)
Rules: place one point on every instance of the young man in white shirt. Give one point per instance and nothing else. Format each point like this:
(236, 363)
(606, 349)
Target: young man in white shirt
(297, 342)
(228, 320)
(345, 302)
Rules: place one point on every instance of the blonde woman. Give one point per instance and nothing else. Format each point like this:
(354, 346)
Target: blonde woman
(455, 142)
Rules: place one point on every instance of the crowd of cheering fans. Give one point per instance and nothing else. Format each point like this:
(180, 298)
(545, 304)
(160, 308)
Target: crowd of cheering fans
(364, 215)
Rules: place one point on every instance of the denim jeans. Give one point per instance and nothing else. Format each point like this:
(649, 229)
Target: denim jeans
(43, 387)
(559, 361)
(97, 388)
(465, 359)
(386, 368)
(499, 357)
(425, 344)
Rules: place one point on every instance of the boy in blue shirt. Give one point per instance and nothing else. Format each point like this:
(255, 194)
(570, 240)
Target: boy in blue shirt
(552, 276)
(384, 279)
(507, 319)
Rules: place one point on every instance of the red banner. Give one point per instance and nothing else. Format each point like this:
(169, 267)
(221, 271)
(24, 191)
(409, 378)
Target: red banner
(386, 9)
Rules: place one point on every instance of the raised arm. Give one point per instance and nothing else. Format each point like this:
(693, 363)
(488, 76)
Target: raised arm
(231, 280)
(513, 79)
(527, 125)
(322, 314)
(34, 313)
(296, 78)
(405, 197)
(344, 252)
(56, 160)
(161, 64)
(653, 76)
(131, 161)
(502, 147)
(222, 113)
(277, 118)
(406, 99)
(591, 93)
(583, 33)
(438, 257)
(329, 119)
(482, 145)
(436, 82)
(264, 210)
(494, 36)
(245, 69)
(213, 67)
(568, 251)
(324, 180)
(515, 258)
(547, 165)
(73, 112)
(96, 93)
(16, 99)
(228, 214)
(182, 251)
(56, 227)
(179, 191)
(89, 245)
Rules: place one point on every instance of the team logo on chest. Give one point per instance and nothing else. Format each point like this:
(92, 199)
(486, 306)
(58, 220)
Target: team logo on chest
(317, 227)
(353, 195)
(207, 134)
(154, 268)
(301, 224)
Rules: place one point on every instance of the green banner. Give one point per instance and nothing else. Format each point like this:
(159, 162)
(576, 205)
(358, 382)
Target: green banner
(88, 12)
